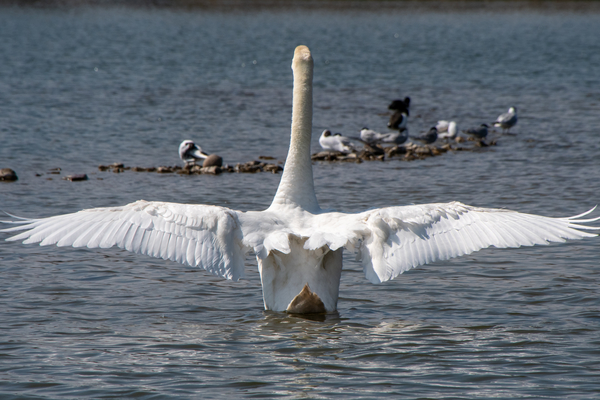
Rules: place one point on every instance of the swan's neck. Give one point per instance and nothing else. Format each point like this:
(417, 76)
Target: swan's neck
(296, 187)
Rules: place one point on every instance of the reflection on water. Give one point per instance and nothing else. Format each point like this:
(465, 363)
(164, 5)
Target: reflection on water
(88, 86)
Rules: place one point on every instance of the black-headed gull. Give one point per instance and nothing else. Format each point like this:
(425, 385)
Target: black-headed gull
(479, 132)
(373, 137)
(429, 137)
(337, 142)
(507, 120)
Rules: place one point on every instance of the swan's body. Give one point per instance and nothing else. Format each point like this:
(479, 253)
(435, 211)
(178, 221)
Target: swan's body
(299, 246)
(479, 132)
(446, 130)
(336, 142)
(507, 120)
(393, 138)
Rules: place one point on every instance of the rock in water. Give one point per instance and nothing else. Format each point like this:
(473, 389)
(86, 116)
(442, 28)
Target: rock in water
(7, 174)
(76, 177)
(213, 160)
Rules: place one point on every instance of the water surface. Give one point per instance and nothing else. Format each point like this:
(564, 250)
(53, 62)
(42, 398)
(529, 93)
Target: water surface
(87, 86)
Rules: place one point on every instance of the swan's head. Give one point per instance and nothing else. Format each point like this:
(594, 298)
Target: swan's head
(302, 65)
(184, 147)
(302, 55)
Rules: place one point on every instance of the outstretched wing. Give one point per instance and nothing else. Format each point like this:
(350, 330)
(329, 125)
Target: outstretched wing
(197, 235)
(395, 239)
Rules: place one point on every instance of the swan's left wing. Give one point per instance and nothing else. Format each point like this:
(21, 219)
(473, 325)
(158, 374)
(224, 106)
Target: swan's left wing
(395, 239)
(198, 235)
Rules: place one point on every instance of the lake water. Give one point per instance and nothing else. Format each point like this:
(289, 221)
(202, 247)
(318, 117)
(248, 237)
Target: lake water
(80, 87)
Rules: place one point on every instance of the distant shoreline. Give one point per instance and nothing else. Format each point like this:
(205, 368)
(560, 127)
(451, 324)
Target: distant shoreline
(248, 5)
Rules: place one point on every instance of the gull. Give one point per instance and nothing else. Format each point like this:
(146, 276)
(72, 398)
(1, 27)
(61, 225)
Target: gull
(297, 244)
(190, 152)
(398, 120)
(446, 130)
(400, 105)
(335, 142)
(372, 137)
(480, 132)
(427, 138)
(507, 120)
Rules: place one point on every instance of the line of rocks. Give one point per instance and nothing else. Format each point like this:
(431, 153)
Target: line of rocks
(248, 167)
(408, 152)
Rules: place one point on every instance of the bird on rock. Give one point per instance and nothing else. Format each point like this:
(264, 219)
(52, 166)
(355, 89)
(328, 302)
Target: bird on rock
(336, 142)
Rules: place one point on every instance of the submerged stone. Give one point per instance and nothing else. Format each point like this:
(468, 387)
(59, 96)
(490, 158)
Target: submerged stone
(8, 175)
(212, 160)
(213, 170)
(76, 177)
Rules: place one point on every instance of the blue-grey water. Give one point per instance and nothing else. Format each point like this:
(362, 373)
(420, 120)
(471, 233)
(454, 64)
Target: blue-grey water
(80, 87)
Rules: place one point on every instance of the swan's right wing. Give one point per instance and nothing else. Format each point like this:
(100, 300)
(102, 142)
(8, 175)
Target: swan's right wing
(198, 235)
(392, 240)
(401, 238)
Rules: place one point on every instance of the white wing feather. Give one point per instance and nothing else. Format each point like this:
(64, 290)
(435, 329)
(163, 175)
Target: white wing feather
(396, 239)
(198, 235)
(388, 240)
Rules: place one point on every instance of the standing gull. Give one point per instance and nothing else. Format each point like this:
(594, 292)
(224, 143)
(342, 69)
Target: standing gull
(299, 246)
(507, 120)
(399, 119)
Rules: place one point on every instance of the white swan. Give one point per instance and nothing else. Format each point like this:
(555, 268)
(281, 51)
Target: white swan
(507, 120)
(190, 152)
(298, 245)
(335, 142)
